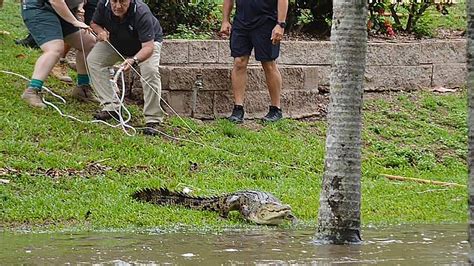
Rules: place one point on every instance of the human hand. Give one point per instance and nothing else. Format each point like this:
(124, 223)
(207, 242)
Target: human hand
(127, 64)
(80, 25)
(103, 36)
(277, 34)
(225, 28)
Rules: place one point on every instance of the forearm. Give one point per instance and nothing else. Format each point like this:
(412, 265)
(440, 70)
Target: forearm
(146, 51)
(227, 9)
(282, 10)
(63, 11)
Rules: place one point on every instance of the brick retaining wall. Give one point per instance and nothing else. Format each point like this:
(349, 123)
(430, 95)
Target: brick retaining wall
(305, 67)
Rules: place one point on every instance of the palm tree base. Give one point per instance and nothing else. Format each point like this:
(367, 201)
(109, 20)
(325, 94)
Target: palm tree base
(338, 237)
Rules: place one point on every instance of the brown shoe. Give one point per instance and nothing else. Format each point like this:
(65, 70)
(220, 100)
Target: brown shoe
(84, 93)
(60, 71)
(33, 98)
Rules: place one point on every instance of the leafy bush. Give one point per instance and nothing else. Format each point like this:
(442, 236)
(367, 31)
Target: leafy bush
(385, 17)
(407, 16)
(186, 32)
(186, 16)
(310, 16)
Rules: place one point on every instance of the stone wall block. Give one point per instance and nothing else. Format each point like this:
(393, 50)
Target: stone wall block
(307, 103)
(396, 54)
(165, 74)
(181, 102)
(316, 76)
(256, 104)
(224, 53)
(175, 52)
(449, 75)
(292, 77)
(224, 102)
(203, 52)
(443, 52)
(217, 79)
(305, 53)
(256, 79)
(184, 78)
(389, 78)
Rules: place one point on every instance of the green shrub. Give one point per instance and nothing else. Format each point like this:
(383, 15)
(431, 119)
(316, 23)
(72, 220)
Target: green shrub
(310, 16)
(189, 32)
(201, 16)
(407, 16)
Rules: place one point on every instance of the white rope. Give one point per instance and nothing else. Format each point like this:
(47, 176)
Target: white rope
(146, 82)
(64, 101)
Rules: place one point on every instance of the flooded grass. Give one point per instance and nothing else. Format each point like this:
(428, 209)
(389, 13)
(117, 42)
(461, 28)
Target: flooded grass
(403, 245)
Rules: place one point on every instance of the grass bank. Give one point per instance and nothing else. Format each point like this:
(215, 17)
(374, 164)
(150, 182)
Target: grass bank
(67, 174)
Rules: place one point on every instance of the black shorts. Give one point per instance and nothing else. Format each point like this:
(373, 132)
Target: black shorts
(243, 41)
(45, 25)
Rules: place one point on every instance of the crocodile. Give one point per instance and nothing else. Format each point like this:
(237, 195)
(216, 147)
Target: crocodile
(259, 207)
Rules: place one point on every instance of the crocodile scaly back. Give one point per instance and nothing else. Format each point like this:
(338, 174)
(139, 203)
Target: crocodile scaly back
(163, 196)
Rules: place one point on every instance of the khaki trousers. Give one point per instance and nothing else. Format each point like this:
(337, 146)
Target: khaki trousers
(103, 56)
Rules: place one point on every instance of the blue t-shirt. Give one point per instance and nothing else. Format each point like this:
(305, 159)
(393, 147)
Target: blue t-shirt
(138, 26)
(250, 14)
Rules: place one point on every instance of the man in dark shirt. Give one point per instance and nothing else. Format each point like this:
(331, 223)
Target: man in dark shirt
(258, 25)
(127, 29)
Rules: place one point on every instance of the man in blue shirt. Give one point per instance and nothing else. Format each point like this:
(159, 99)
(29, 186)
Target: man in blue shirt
(258, 25)
(127, 28)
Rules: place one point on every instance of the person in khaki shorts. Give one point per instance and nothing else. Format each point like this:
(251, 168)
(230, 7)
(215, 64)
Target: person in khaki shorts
(51, 23)
(133, 31)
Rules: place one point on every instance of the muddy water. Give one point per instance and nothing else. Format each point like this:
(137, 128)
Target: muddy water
(404, 245)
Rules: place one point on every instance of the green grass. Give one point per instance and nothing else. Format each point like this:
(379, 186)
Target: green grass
(420, 135)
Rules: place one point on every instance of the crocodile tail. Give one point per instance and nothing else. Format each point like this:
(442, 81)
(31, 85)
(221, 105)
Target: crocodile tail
(164, 196)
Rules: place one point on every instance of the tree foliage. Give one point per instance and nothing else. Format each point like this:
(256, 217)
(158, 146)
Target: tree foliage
(202, 15)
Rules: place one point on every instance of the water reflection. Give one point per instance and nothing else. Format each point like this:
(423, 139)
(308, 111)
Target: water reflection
(436, 244)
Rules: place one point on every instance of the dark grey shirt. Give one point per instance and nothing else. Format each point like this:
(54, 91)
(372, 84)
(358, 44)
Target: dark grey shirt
(138, 26)
(250, 14)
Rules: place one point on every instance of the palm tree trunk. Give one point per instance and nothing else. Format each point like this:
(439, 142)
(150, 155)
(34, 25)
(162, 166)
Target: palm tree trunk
(470, 93)
(340, 200)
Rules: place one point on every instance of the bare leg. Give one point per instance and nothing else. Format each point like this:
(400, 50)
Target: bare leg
(67, 47)
(83, 48)
(52, 50)
(239, 79)
(60, 70)
(274, 81)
